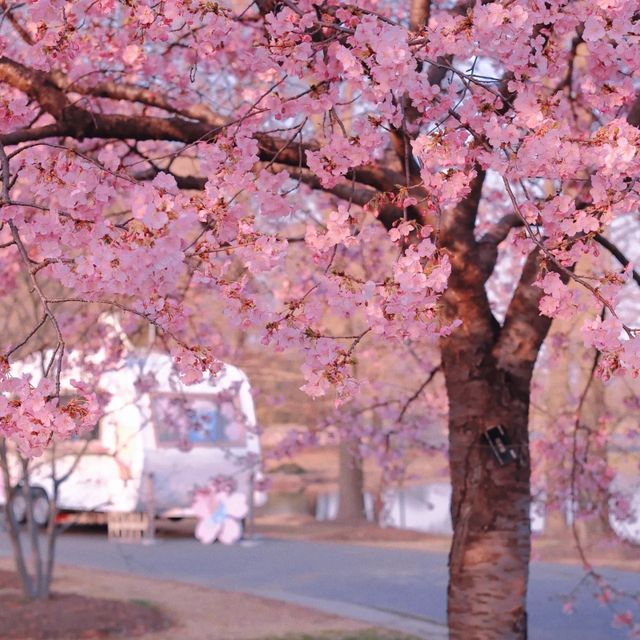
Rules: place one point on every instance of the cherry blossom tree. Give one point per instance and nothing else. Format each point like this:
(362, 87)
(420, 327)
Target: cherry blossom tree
(425, 173)
(21, 473)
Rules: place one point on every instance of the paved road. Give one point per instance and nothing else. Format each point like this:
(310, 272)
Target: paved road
(352, 580)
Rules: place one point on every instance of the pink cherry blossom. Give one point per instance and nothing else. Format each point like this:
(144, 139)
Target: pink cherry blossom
(624, 619)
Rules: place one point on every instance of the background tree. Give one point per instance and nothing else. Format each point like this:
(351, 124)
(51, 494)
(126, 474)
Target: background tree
(434, 154)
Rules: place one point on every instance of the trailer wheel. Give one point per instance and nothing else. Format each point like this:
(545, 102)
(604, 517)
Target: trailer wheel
(41, 506)
(18, 505)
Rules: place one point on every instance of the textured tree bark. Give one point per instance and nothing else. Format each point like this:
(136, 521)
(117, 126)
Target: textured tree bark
(488, 369)
(350, 486)
(490, 551)
(419, 13)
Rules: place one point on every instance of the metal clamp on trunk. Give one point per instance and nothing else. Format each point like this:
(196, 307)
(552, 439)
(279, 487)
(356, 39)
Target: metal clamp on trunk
(500, 444)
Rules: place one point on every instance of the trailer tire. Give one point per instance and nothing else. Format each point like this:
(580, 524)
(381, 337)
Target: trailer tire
(41, 506)
(18, 505)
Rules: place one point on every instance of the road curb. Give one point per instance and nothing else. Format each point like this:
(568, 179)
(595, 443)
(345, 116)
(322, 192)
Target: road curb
(396, 621)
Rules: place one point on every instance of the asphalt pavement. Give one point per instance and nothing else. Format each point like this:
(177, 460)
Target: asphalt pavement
(399, 589)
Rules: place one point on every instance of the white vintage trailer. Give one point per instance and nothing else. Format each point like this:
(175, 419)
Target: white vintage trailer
(157, 440)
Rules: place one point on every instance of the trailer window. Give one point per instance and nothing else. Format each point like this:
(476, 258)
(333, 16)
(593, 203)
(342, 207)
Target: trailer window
(190, 420)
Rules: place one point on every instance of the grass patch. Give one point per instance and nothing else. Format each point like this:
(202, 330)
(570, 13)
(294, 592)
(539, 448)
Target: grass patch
(141, 602)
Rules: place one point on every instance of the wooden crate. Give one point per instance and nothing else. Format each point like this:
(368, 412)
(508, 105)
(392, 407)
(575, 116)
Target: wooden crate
(127, 527)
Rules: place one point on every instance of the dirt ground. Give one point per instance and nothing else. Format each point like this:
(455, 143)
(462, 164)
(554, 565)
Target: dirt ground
(71, 615)
(171, 610)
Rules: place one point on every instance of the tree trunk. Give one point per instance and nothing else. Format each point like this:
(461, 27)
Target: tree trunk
(350, 486)
(490, 551)
(13, 529)
(488, 370)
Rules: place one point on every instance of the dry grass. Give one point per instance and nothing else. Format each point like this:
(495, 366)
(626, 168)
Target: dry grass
(199, 613)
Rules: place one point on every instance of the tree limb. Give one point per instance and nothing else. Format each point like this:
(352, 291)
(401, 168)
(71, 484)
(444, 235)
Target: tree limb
(79, 123)
(524, 327)
(499, 231)
(617, 254)
(132, 93)
(633, 117)
(419, 14)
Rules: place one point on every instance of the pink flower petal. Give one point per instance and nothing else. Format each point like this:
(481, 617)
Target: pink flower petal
(207, 531)
(202, 505)
(231, 531)
(236, 505)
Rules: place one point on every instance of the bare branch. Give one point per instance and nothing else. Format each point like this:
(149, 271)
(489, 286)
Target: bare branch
(617, 254)
(28, 337)
(15, 23)
(418, 391)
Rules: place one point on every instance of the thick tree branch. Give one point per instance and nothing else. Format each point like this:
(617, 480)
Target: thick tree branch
(458, 223)
(79, 123)
(419, 14)
(387, 214)
(489, 242)
(265, 6)
(35, 85)
(119, 91)
(31, 134)
(633, 118)
(465, 298)
(499, 231)
(524, 327)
